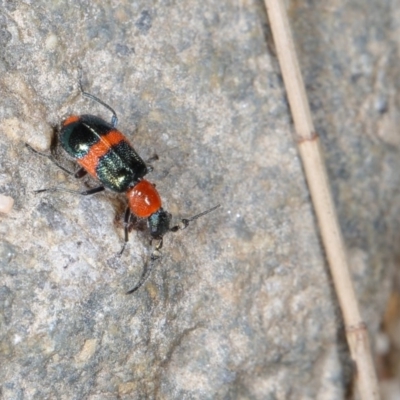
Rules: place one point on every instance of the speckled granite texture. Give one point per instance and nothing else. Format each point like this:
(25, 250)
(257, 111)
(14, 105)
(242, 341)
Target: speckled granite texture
(241, 305)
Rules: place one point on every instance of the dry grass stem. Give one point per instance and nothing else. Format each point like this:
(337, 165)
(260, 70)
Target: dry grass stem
(314, 167)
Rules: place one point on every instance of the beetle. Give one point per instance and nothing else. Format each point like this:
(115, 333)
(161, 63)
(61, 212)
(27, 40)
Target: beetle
(102, 151)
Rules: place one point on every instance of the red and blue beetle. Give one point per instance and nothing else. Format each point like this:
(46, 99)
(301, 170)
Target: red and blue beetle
(105, 153)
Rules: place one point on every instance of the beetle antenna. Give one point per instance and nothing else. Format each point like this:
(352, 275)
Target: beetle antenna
(185, 221)
(203, 213)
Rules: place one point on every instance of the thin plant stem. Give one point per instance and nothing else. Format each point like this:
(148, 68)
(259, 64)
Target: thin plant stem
(314, 167)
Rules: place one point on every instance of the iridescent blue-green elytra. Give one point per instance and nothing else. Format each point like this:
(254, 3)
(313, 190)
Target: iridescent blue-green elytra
(103, 151)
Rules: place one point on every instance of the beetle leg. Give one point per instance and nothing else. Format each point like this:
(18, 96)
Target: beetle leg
(148, 267)
(80, 173)
(127, 217)
(83, 193)
(114, 118)
(50, 157)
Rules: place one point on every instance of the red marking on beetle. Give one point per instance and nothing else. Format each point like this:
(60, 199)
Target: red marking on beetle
(70, 120)
(99, 149)
(143, 199)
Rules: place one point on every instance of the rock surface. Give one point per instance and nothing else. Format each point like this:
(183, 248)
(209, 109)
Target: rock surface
(241, 304)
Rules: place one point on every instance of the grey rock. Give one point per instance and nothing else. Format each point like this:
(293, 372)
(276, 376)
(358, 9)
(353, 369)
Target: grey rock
(241, 305)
